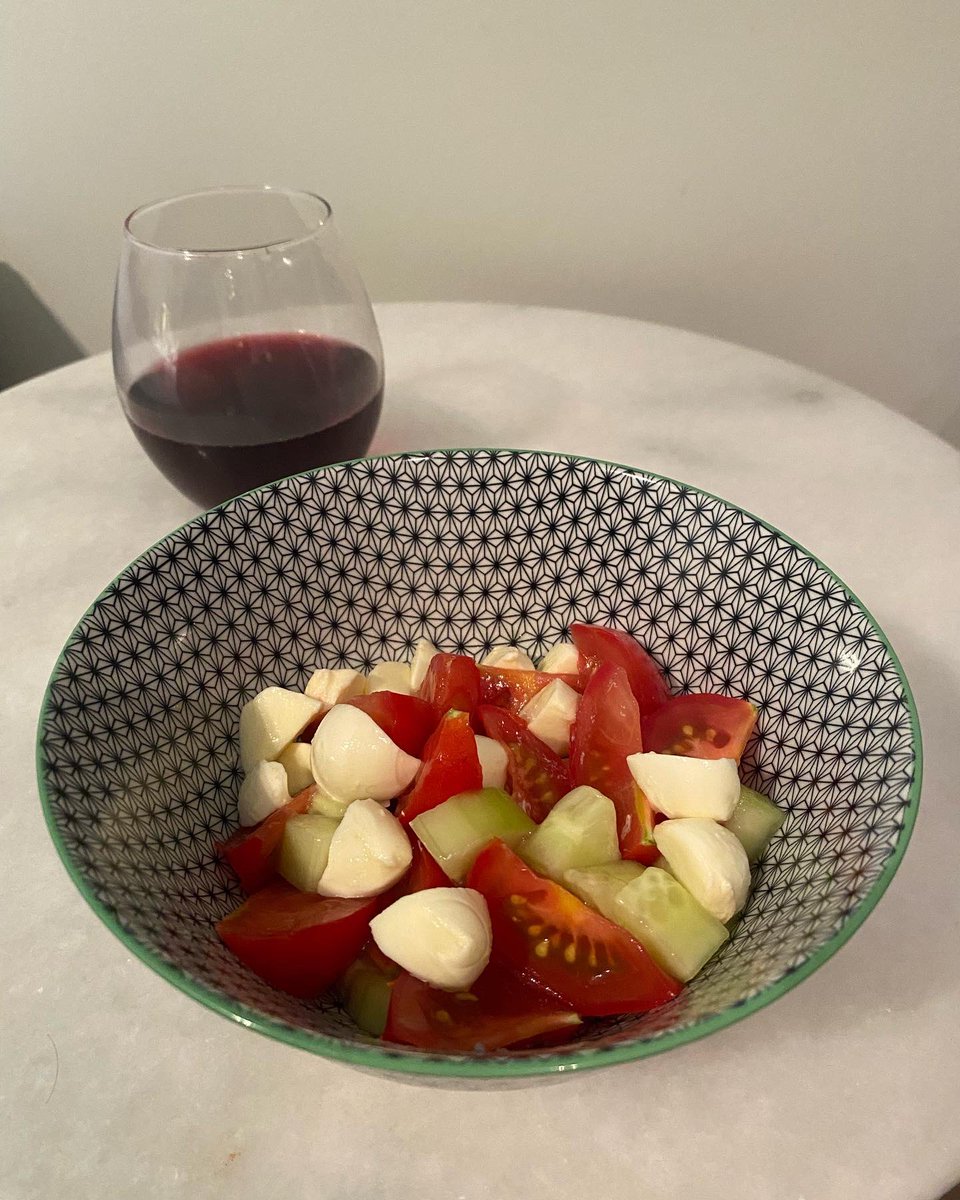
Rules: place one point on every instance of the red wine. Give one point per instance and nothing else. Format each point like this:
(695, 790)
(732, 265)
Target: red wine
(227, 416)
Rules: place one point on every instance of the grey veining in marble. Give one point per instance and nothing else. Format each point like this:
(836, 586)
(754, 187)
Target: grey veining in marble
(113, 1085)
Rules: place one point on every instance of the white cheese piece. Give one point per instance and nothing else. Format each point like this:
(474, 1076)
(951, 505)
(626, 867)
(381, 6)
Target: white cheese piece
(493, 762)
(423, 656)
(369, 853)
(709, 861)
(561, 659)
(353, 759)
(687, 787)
(271, 721)
(333, 686)
(262, 792)
(441, 935)
(507, 658)
(550, 713)
(390, 677)
(295, 760)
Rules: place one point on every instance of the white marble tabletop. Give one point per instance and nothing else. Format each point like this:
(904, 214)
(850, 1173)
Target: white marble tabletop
(113, 1084)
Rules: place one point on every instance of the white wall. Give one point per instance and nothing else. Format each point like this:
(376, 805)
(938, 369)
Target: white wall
(784, 173)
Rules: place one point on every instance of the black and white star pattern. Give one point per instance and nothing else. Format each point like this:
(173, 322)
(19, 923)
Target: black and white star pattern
(352, 564)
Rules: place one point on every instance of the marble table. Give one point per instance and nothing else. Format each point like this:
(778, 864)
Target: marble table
(113, 1084)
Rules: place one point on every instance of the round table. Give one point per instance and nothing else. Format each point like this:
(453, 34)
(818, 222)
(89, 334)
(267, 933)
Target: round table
(114, 1084)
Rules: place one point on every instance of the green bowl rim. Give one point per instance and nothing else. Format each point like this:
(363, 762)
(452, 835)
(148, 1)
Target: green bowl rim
(413, 1062)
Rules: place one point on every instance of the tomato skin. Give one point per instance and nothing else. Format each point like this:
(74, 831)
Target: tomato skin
(684, 724)
(538, 776)
(297, 942)
(252, 853)
(512, 689)
(452, 681)
(450, 765)
(606, 730)
(425, 872)
(598, 644)
(407, 720)
(543, 930)
(499, 1010)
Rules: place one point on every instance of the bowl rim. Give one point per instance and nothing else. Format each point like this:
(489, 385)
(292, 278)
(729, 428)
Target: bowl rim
(410, 1061)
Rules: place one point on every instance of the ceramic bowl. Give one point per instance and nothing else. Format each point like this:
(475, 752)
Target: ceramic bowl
(352, 564)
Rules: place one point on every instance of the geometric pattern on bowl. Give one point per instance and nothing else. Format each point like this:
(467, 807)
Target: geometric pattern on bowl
(344, 566)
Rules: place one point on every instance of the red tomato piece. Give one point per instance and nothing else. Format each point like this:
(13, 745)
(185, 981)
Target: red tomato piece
(406, 720)
(306, 734)
(606, 730)
(295, 941)
(511, 689)
(252, 853)
(450, 765)
(597, 645)
(452, 681)
(499, 1010)
(541, 929)
(425, 872)
(538, 776)
(700, 726)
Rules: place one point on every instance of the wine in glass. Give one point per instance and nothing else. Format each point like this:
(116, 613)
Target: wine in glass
(244, 344)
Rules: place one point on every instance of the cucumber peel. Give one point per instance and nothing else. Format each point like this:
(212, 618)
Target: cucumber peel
(754, 822)
(458, 829)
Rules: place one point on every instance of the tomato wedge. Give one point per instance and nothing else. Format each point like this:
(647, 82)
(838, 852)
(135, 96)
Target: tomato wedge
(425, 872)
(606, 730)
(450, 765)
(511, 689)
(499, 1010)
(452, 681)
(539, 928)
(252, 853)
(700, 726)
(538, 776)
(295, 941)
(407, 720)
(597, 645)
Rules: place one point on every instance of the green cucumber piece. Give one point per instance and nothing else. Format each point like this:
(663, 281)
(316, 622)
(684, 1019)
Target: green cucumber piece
(579, 831)
(677, 933)
(305, 849)
(327, 806)
(365, 993)
(458, 829)
(754, 821)
(600, 886)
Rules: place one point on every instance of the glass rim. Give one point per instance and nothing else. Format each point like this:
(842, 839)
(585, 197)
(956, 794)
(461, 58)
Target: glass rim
(325, 214)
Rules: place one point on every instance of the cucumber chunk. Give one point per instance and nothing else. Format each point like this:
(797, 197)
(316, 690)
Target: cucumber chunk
(671, 926)
(579, 831)
(600, 886)
(365, 994)
(305, 849)
(458, 829)
(755, 820)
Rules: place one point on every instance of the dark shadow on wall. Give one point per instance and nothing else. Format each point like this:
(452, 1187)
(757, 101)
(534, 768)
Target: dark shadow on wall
(32, 340)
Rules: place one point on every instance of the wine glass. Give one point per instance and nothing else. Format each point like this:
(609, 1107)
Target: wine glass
(244, 345)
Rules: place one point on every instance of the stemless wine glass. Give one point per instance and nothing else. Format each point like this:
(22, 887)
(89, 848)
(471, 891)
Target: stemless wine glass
(244, 344)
